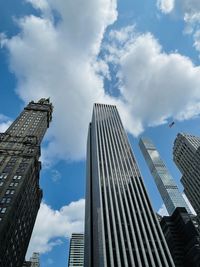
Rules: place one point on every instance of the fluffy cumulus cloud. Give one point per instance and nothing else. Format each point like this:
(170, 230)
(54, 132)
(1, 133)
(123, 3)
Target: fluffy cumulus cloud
(189, 11)
(53, 225)
(146, 73)
(55, 55)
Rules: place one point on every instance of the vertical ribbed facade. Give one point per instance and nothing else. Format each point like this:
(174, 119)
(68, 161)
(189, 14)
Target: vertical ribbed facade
(76, 251)
(20, 193)
(166, 185)
(121, 228)
(186, 154)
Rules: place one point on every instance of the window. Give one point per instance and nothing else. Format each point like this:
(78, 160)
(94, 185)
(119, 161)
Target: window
(18, 177)
(12, 192)
(8, 200)
(3, 210)
(3, 176)
(11, 184)
(15, 184)
(1, 183)
(3, 200)
(7, 192)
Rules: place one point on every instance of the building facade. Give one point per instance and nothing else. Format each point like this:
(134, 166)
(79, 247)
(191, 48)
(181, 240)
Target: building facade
(76, 251)
(121, 228)
(166, 185)
(182, 237)
(180, 228)
(26, 264)
(186, 154)
(20, 193)
(34, 261)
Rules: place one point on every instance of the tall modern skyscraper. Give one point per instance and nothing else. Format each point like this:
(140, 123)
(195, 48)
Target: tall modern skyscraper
(186, 153)
(76, 251)
(180, 228)
(121, 228)
(20, 193)
(166, 185)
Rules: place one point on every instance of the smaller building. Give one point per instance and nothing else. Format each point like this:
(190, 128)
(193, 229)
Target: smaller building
(76, 251)
(34, 261)
(27, 264)
(182, 237)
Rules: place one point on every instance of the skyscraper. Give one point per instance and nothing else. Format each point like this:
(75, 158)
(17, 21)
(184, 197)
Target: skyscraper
(186, 154)
(181, 233)
(76, 251)
(180, 228)
(121, 228)
(20, 193)
(166, 185)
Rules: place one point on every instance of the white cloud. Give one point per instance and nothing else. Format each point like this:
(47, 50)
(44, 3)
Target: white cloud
(5, 122)
(52, 225)
(122, 36)
(191, 21)
(197, 40)
(189, 11)
(183, 6)
(56, 57)
(39, 4)
(153, 84)
(165, 6)
(163, 211)
(55, 175)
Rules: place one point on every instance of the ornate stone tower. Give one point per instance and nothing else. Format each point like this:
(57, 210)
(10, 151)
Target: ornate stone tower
(20, 194)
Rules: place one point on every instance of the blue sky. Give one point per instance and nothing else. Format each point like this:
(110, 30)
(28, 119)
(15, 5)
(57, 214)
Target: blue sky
(142, 56)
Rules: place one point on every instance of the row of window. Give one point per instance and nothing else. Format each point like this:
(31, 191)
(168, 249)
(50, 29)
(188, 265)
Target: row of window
(13, 184)
(5, 200)
(10, 191)
(5, 175)
(27, 118)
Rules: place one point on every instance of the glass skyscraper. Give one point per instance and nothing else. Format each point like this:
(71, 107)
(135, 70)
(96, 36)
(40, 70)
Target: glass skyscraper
(121, 228)
(186, 154)
(166, 185)
(20, 193)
